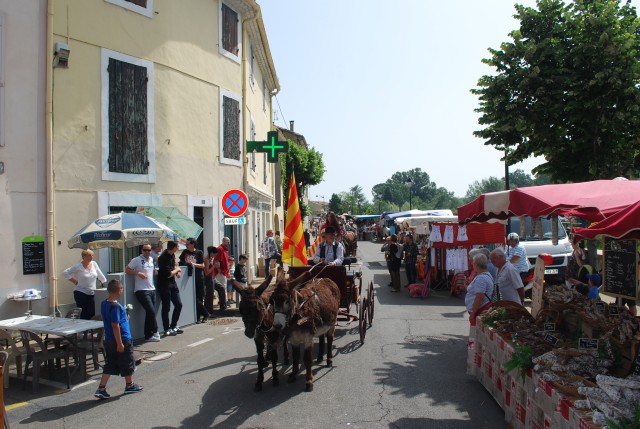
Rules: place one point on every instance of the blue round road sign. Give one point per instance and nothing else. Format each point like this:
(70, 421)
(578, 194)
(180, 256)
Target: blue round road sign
(235, 203)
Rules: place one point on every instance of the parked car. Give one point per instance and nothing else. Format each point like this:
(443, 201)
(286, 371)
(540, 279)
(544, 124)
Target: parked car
(534, 245)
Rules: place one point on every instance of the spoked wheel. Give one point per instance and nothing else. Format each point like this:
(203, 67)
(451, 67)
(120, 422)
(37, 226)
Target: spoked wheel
(362, 321)
(370, 299)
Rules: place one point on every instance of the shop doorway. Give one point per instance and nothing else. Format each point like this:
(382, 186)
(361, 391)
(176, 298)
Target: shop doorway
(198, 217)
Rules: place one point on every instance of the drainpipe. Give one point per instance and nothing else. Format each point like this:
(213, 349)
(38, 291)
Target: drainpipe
(51, 232)
(256, 15)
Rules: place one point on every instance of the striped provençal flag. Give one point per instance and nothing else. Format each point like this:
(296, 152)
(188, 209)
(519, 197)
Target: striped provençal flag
(314, 246)
(294, 250)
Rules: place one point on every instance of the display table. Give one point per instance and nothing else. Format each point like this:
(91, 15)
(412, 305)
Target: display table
(527, 403)
(186, 285)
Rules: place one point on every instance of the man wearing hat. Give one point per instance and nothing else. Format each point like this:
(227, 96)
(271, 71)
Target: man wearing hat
(330, 252)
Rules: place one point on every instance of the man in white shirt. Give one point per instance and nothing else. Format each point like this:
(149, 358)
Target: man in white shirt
(330, 252)
(508, 283)
(517, 255)
(143, 269)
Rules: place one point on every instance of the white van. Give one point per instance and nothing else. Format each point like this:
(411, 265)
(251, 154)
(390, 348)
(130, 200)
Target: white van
(534, 246)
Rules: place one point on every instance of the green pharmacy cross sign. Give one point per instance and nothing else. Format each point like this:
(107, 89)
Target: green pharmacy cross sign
(272, 147)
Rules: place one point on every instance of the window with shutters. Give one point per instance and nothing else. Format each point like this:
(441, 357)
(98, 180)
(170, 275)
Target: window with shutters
(229, 24)
(264, 168)
(264, 95)
(251, 66)
(127, 124)
(252, 155)
(143, 7)
(230, 129)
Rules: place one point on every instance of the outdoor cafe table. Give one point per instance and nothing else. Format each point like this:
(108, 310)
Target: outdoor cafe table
(60, 326)
(51, 325)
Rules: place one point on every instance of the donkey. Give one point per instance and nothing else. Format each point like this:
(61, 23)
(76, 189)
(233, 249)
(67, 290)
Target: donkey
(315, 305)
(257, 315)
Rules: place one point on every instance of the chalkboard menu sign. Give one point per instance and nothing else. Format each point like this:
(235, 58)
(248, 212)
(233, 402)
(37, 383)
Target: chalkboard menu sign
(620, 271)
(33, 255)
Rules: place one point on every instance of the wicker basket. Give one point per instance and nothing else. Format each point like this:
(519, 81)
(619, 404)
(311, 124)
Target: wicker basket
(513, 310)
(548, 315)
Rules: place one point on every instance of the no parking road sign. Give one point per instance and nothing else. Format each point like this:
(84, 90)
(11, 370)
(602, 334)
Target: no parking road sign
(235, 203)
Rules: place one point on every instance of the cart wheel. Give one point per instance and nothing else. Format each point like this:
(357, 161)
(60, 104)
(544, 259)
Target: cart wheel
(362, 321)
(371, 299)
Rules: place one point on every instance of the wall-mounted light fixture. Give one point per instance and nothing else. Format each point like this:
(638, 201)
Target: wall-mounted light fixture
(62, 54)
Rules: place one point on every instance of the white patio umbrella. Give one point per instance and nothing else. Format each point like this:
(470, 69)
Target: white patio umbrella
(121, 230)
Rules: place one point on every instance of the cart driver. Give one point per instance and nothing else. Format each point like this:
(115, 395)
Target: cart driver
(330, 252)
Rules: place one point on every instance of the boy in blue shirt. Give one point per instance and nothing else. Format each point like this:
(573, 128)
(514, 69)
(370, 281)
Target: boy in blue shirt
(594, 283)
(117, 342)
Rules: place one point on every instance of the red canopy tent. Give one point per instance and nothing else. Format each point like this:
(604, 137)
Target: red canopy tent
(593, 201)
(623, 225)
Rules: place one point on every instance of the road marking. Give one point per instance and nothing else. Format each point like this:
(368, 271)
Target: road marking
(229, 330)
(197, 343)
(16, 405)
(160, 356)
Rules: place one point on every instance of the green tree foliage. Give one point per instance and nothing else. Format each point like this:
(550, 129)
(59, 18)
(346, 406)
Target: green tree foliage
(517, 179)
(336, 205)
(425, 194)
(566, 88)
(308, 167)
(490, 184)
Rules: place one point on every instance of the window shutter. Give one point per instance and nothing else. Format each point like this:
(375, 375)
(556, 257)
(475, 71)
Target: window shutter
(127, 118)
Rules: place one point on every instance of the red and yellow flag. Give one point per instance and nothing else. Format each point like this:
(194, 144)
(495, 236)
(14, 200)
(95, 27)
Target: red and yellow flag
(294, 252)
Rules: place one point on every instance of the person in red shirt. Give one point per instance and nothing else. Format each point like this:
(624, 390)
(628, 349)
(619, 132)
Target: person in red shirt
(222, 257)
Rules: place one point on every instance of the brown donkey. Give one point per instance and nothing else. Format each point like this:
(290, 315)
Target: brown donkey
(314, 312)
(258, 315)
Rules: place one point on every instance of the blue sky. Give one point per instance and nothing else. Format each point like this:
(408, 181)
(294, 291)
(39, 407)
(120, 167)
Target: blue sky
(383, 86)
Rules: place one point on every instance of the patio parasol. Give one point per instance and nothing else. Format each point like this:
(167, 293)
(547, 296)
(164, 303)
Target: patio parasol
(121, 230)
(174, 219)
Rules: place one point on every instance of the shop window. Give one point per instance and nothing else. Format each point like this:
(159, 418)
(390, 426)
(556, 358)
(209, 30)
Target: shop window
(115, 255)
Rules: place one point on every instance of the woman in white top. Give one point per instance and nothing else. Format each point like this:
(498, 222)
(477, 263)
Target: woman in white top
(83, 275)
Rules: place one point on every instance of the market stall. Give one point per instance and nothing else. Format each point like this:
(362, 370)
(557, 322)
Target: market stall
(593, 201)
(575, 365)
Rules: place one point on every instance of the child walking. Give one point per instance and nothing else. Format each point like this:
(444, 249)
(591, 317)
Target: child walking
(117, 342)
(232, 270)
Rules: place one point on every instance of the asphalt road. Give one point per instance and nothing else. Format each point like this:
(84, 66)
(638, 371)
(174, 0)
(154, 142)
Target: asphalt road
(410, 373)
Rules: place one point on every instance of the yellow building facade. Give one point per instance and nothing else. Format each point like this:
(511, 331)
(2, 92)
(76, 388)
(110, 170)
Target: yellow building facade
(151, 104)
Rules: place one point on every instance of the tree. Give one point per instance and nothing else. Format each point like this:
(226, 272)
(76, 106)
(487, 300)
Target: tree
(519, 179)
(490, 184)
(566, 88)
(335, 204)
(308, 168)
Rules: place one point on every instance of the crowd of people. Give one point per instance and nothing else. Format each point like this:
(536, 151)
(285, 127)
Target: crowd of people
(156, 271)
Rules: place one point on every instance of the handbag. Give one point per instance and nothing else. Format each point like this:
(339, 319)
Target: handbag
(220, 279)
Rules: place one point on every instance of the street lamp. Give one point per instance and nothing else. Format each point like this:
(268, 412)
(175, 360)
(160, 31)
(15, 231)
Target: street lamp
(409, 184)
